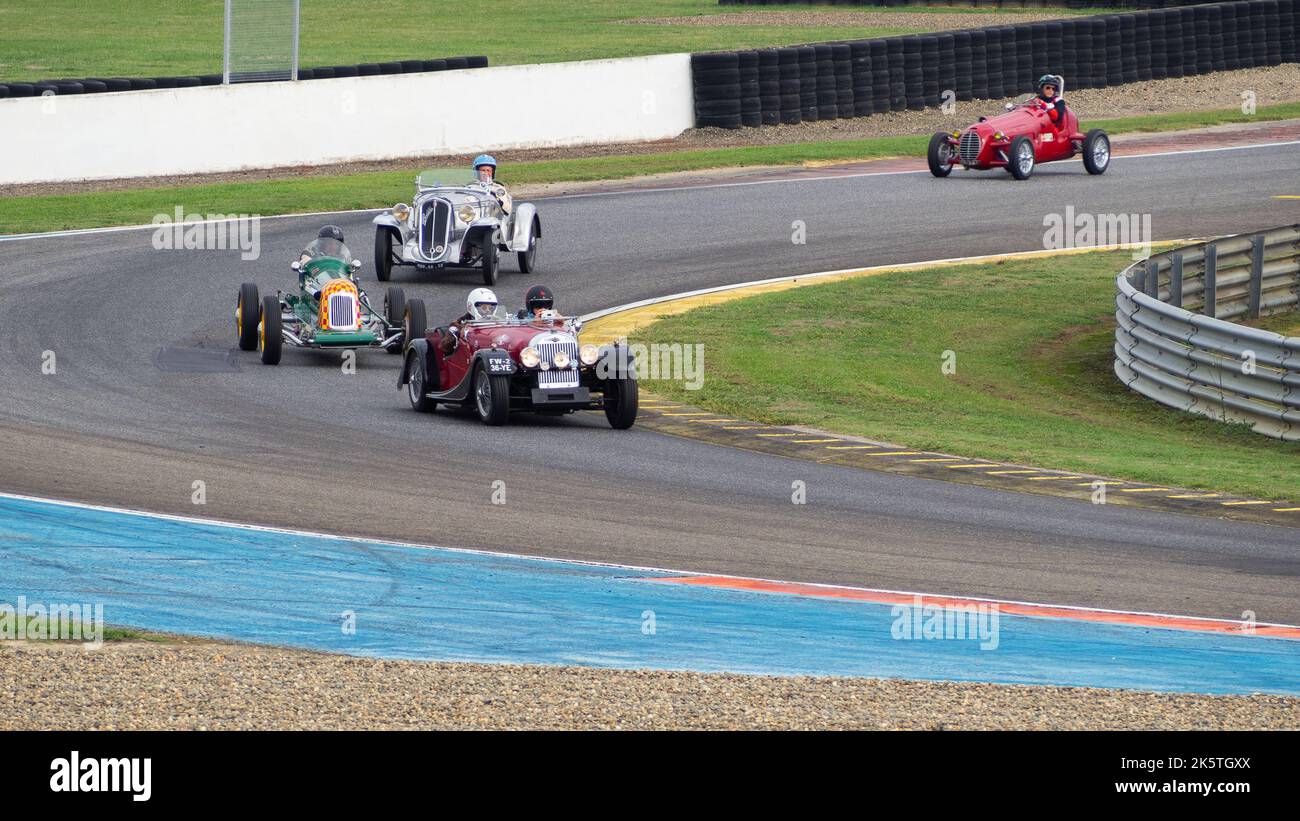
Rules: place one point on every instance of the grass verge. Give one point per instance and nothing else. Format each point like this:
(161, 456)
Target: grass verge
(139, 38)
(38, 629)
(96, 209)
(1033, 383)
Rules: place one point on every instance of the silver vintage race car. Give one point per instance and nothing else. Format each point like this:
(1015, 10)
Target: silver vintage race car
(456, 221)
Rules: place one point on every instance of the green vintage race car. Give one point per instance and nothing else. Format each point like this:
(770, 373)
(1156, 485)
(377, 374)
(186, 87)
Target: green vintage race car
(329, 309)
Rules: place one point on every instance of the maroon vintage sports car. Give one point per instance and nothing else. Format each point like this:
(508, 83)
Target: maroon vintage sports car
(502, 364)
(1017, 141)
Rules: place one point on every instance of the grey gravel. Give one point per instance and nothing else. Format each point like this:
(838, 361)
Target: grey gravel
(200, 685)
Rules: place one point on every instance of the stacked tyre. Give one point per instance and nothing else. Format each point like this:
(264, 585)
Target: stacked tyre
(930, 85)
(1286, 25)
(1025, 76)
(842, 57)
(787, 60)
(913, 77)
(1114, 51)
(1128, 48)
(897, 70)
(769, 86)
(864, 97)
(879, 76)
(716, 78)
(808, 83)
(751, 106)
(963, 64)
(979, 65)
(1157, 41)
(993, 64)
(1010, 63)
(827, 93)
(1273, 32)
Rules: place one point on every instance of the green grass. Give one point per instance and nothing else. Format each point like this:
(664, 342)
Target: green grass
(25, 214)
(32, 625)
(1033, 383)
(81, 38)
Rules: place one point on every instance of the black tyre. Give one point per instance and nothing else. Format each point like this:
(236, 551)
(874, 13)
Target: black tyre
(1096, 151)
(247, 316)
(394, 315)
(491, 257)
(270, 340)
(414, 323)
(939, 155)
(621, 400)
(528, 259)
(416, 386)
(491, 397)
(1021, 154)
(383, 254)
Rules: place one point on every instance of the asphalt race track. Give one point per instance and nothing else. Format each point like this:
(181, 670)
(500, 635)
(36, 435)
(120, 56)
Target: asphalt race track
(151, 394)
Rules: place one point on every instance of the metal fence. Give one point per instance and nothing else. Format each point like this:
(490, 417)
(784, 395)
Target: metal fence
(1173, 342)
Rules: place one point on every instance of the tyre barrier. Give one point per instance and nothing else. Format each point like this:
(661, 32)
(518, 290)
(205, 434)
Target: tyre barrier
(99, 85)
(1174, 343)
(859, 78)
(988, 4)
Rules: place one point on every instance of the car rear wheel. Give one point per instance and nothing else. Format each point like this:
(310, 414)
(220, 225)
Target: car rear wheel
(395, 315)
(247, 316)
(491, 397)
(414, 324)
(939, 155)
(621, 401)
(270, 340)
(1021, 158)
(416, 386)
(383, 254)
(528, 259)
(1096, 151)
(491, 258)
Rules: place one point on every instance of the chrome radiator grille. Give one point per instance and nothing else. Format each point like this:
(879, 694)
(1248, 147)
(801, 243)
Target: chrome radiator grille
(969, 148)
(434, 224)
(343, 312)
(558, 379)
(548, 350)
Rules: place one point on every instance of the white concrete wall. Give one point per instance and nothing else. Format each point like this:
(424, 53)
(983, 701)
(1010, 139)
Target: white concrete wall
(265, 125)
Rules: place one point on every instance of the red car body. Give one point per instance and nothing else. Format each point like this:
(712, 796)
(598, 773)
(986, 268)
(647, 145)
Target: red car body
(507, 364)
(1018, 141)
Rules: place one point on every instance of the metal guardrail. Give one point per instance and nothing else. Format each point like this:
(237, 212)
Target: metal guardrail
(1173, 342)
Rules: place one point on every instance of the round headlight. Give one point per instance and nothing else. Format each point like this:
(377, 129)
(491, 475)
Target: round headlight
(561, 359)
(465, 213)
(589, 354)
(401, 211)
(529, 357)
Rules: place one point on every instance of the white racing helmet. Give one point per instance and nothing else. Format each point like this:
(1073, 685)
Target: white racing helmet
(481, 303)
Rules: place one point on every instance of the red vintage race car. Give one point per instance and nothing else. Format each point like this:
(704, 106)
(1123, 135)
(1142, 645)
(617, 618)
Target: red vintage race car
(1018, 140)
(503, 364)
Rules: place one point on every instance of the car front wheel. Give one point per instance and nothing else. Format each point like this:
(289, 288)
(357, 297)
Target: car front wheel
(1022, 158)
(1096, 151)
(491, 397)
(383, 254)
(939, 155)
(416, 385)
(491, 259)
(621, 400)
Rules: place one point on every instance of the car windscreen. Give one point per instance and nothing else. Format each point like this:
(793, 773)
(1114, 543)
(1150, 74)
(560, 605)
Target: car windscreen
(326, 247)
(447, 178)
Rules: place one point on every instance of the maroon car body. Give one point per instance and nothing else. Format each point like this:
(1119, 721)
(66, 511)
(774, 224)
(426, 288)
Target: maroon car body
(1018, 141)
(506, 364)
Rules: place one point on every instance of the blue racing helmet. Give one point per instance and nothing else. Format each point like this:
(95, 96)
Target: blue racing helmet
(485, 159)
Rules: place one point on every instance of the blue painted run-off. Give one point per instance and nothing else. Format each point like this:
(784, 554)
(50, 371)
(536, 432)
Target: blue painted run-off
(426, 603)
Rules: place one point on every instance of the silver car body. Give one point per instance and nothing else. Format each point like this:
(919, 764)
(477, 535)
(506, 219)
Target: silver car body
(435, 230)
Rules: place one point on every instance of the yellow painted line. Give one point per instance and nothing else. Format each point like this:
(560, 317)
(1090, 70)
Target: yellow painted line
(710, 421)
(1008, 472)
(852, 447)
(745, 427)
(981, 465)
(812, 441)
(771, 435)
(692, 413)
(1046, 478)
(1143, 489)
(944, 459)
(1193, 496)
(1231, 504)
(1287, 197)
(1098, 482)
(881, 453)
(1285, 509)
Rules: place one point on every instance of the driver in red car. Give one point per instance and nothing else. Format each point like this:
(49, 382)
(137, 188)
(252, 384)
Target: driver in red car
(481, 304)
(538, 299)
(1049, 99)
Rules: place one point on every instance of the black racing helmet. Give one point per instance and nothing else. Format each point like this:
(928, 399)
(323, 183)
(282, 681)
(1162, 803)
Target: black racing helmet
(1050, 79)
(331, 232)
(539, 296)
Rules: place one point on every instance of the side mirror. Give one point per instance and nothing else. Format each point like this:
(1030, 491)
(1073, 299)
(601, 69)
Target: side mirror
(296, 265)
(356, 263)
(1009, 106)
